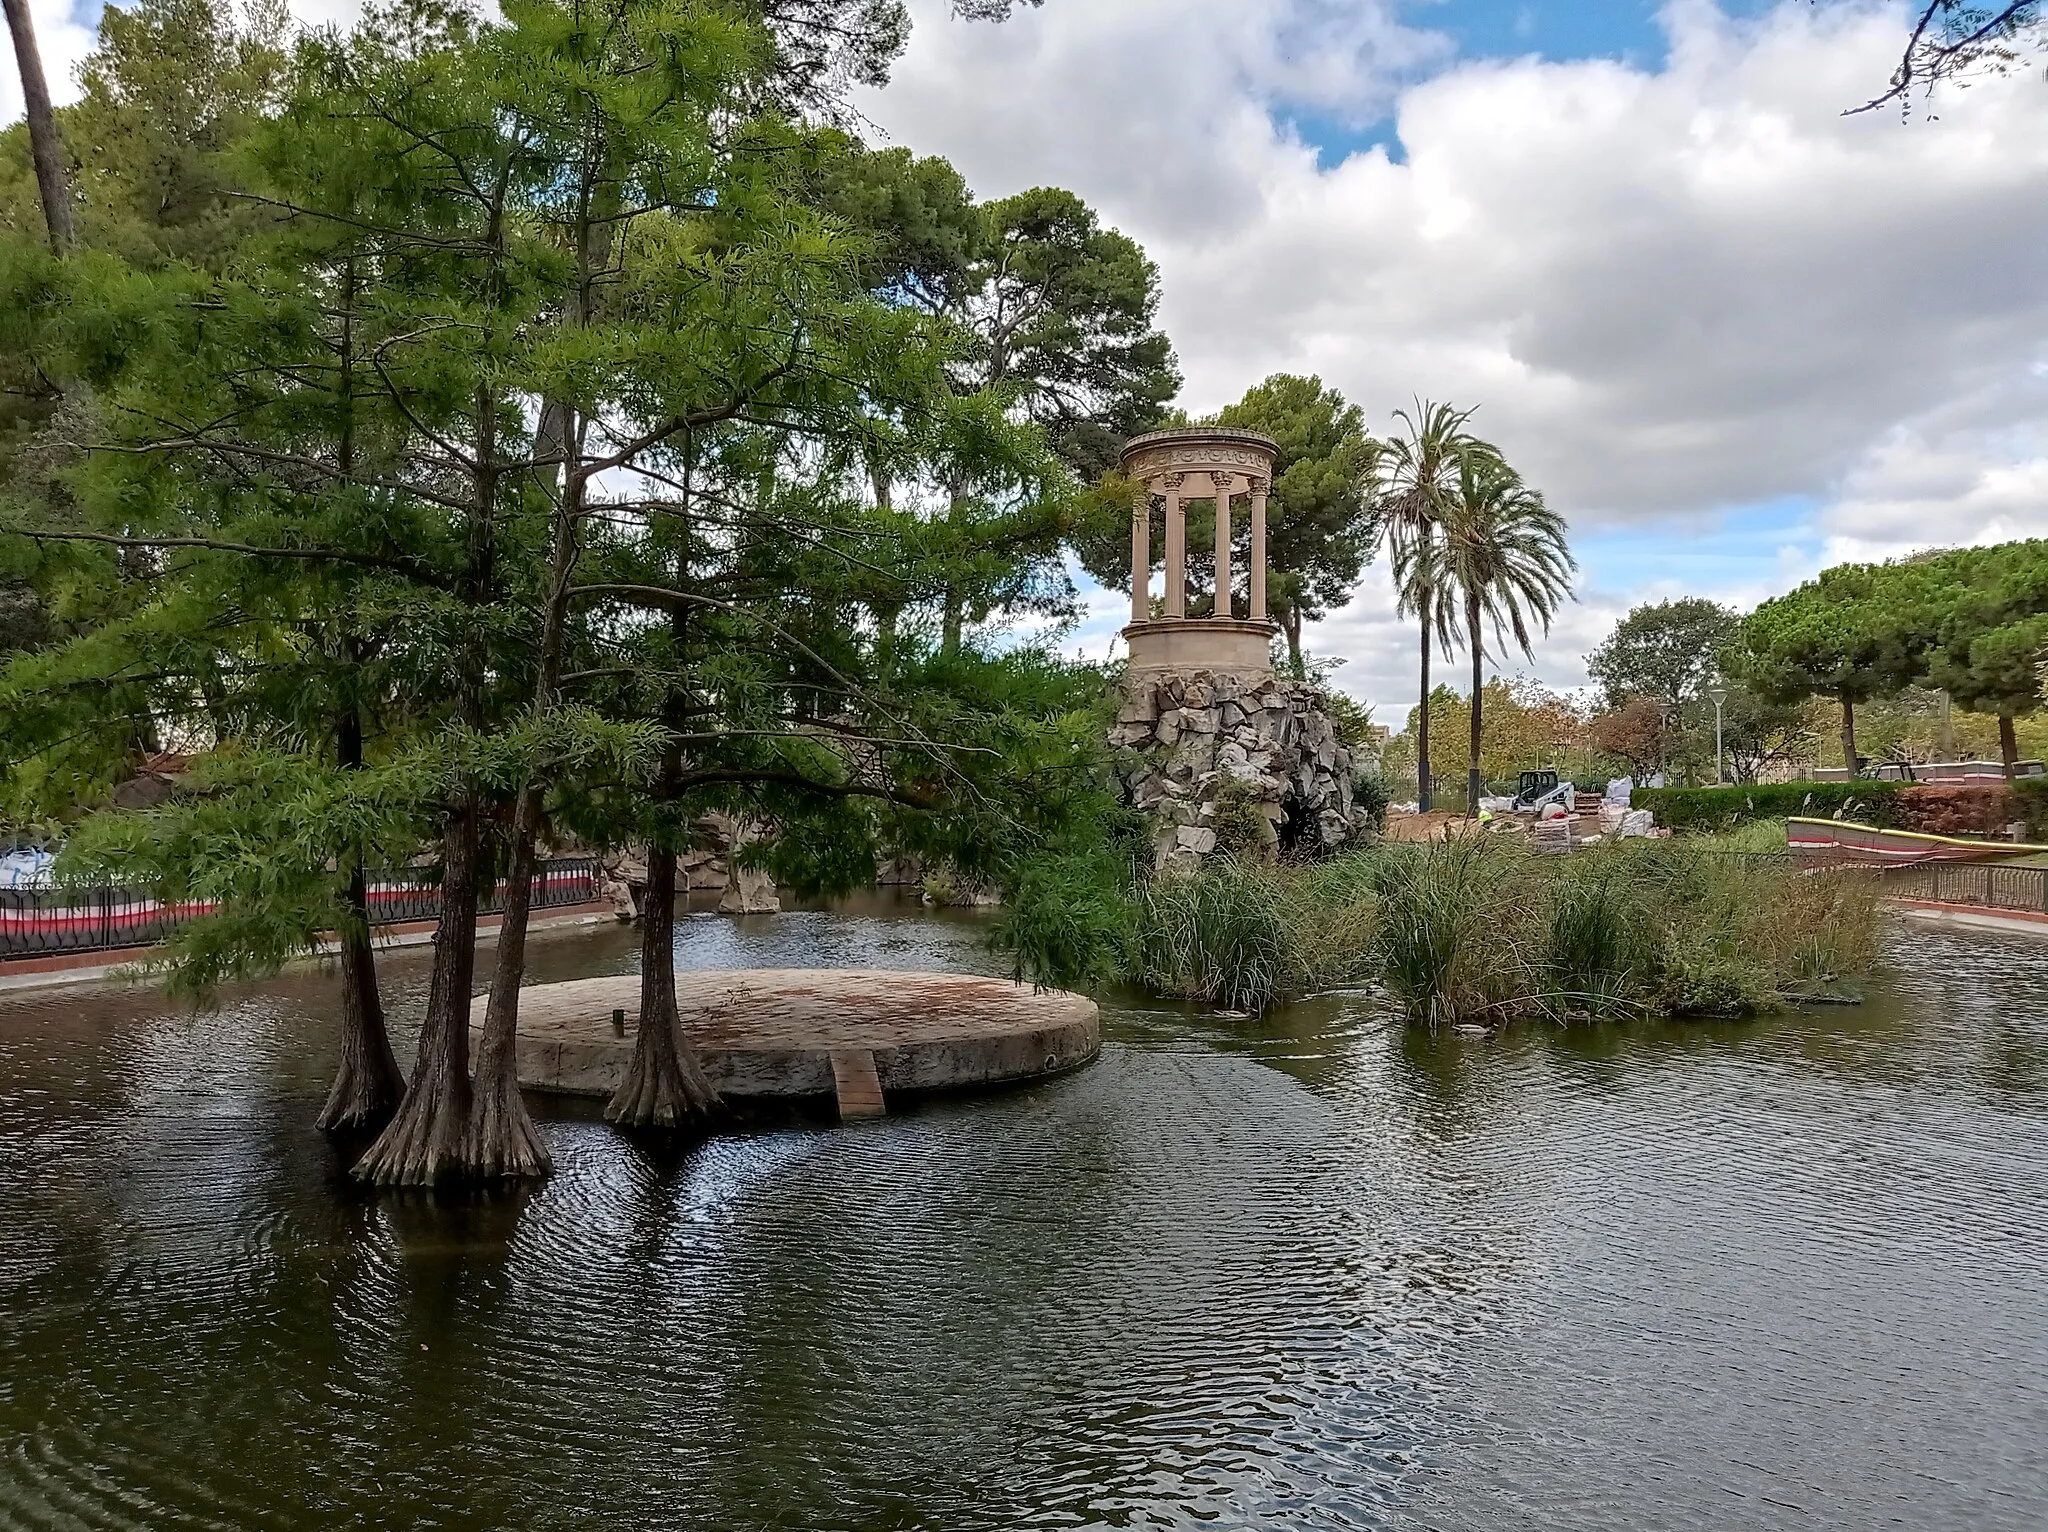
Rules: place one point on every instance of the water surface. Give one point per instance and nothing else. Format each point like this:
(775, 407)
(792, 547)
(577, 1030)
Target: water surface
(1319, 1272)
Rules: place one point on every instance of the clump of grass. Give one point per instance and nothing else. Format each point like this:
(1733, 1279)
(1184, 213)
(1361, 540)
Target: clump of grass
(1454, 941)
(1756, 837)
(1070, 920)
(1475, 931)
(1602, 944)
(1219, 934)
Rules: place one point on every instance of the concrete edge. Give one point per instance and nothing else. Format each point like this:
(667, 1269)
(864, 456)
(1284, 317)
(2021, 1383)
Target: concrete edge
(126, 965)
(1974, 917)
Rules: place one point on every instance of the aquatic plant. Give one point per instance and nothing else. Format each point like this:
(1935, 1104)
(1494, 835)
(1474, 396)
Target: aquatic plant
(1219, 934)
(1474, 932)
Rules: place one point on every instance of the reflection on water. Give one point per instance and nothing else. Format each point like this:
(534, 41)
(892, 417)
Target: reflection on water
(1318, 1272)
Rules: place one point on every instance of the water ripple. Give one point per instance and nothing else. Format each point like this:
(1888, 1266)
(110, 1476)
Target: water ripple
(1314, 1272)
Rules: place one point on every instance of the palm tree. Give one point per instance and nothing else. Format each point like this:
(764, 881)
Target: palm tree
(53, 182)
(1417, 488)
(1504, 553)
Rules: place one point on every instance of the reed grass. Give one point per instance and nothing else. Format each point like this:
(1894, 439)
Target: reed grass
(1478, 932)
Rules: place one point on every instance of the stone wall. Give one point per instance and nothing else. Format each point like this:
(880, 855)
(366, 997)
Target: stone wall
(1216, 759)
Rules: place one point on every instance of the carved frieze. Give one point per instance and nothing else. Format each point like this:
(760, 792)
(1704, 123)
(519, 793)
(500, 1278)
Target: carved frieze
(1176, 459)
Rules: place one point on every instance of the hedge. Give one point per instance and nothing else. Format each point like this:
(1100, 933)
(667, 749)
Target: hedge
(1932, 808)
(2032, 794)
(1713, 809)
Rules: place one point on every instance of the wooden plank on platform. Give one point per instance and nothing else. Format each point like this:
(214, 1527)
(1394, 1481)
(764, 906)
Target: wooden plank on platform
(858, 1085)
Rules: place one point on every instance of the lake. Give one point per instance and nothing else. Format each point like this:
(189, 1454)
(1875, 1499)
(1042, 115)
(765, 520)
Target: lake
(1313, 1272)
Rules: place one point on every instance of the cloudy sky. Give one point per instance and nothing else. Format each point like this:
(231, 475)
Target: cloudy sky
(1733, 334)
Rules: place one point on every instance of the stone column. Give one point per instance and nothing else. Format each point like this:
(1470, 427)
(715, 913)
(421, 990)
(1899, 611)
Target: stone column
(1223, 483)
(1141, 554)
(1258, 571)
(1176, 549)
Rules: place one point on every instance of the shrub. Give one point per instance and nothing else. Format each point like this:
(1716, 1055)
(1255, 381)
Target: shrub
(2031, 797)
(1369, 792)
(1241, 826)
(1713, 809)
(1976, 808)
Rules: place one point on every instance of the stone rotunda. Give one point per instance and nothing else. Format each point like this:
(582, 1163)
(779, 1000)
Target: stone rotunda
(1219, 752)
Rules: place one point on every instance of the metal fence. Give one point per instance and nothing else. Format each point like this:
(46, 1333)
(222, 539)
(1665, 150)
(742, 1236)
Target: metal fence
(38, 922)
(1986, 885)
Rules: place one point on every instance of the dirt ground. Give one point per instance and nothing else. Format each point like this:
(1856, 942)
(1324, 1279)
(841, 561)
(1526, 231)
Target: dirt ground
(1436, 825)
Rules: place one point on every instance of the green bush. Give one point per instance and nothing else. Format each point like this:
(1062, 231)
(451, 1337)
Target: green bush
(1716, 809)
(2032, 793)
(1241, 826)
(1369, 792)
(1070, 920)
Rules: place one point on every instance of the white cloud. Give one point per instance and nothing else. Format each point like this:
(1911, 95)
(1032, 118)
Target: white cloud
(1671, 292)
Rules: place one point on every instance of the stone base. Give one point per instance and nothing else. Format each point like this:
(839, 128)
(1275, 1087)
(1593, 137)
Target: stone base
(1249, 765)
(1191, 645)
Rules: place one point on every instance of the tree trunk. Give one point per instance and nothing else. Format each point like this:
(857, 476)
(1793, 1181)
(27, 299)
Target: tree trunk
(951, 627)
(953, 620)
(2008, 746)
(1422, 720)
(503, 1142)
(1290, 624)
(53, 178)
(1849, 735)
(1472, 774)
(425, 1142)
(368, 1085)
(665, 1085)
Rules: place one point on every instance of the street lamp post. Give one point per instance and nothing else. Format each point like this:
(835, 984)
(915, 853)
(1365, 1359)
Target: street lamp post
(1717, 695)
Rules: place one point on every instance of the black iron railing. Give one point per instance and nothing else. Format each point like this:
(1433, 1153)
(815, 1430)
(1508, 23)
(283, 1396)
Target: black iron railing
(37, 922)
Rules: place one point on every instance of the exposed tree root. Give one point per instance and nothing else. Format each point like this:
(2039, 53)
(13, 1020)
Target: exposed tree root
(665, 1085)
(367, 1085)
(427, 1141)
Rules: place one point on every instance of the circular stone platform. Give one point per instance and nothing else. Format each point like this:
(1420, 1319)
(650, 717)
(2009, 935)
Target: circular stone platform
(853, 1033)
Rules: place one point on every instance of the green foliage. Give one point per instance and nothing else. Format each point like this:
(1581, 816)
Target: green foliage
(1603, 946)
(1844, 635)
(2032, 796)
(1710, 810)
(1449, 922)
(1475, 931)
(1983, 614)
(1217, 935)
(534, 449)
(1321, 525)
(1668, 651)
(1369, 794)
(1070, 919)
(1240, 827)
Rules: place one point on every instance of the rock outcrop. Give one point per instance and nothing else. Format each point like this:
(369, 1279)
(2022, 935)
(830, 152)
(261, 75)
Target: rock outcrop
(704, 867)
(1224, 763)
